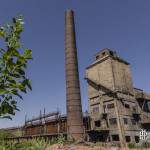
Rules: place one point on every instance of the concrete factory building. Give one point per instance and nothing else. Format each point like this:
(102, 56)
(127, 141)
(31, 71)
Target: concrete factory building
(116, 108)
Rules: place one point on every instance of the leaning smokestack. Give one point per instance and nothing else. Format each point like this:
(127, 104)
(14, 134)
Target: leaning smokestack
(74, 108)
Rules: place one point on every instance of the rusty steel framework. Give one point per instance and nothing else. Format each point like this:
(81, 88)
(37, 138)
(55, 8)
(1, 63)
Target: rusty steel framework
(45, 126)
(75, 128)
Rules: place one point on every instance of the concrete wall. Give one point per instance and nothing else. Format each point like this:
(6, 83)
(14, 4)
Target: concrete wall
(113, 73)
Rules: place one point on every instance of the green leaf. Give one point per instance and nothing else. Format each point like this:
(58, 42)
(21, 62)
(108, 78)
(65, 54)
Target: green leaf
(5, 56)
(2, 33)
(12, 81)
(10, 64)
(27, 83)
(13, 52)
(21, 60)
(15, 75)
(15, 92)
(24, 90)
(27, 54)
(3, 91)
(21, 71)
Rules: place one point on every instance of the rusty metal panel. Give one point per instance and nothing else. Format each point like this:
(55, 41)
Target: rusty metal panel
(51, 127)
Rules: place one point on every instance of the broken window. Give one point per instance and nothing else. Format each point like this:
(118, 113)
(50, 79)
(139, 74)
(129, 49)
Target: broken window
(97, 123)
(148, 105)
(134, 109)
(103, 53)
(137, 139)
(113, 121)
(133, 121)
(126, 105)
(110, 106)
(128, 139)
(125, 120)
(95, 109)
(115, 137)
(111, 53)
(97, 57)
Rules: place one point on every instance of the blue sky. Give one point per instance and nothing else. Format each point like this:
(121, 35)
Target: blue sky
(121, 25)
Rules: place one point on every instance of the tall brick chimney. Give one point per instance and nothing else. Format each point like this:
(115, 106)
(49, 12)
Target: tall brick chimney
(75, 128)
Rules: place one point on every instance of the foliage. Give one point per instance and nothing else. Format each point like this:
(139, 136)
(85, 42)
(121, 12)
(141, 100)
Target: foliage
(131, 145)
(34, 144)
(11, 146)
(39, 144)
(13, 64)
(61, 139)
(4, 135)
(52, 141)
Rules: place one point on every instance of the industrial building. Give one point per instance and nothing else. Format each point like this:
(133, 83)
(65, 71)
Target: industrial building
(116, 108)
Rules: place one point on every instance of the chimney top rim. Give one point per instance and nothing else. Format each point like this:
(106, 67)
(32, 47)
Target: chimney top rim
(69, 10)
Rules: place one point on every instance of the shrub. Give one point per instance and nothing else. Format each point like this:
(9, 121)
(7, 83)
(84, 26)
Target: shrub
(39, 144)
(4, 134)
(131, 145)
(34, 144)
(61, 139)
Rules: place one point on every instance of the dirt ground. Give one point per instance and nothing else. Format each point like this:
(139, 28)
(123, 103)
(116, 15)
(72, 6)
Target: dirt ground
(82, 147)
(76, 147)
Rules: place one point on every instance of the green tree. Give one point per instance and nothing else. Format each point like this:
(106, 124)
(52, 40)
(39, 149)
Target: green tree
(13, 64)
